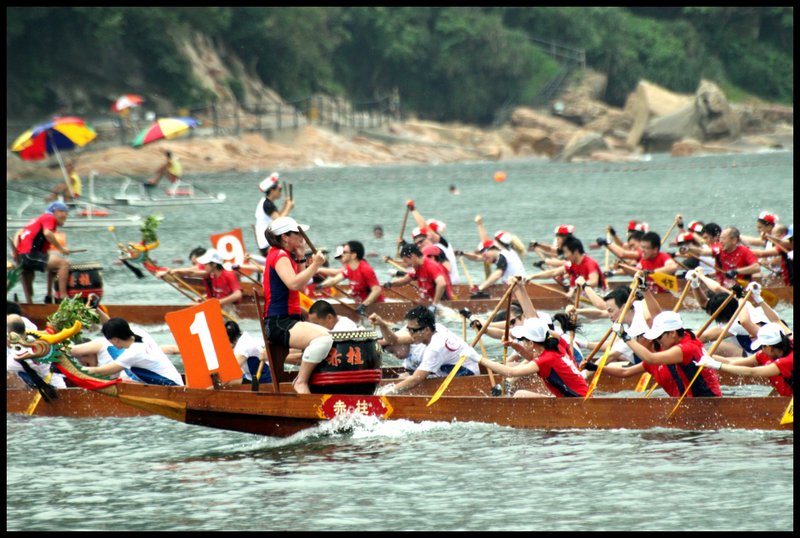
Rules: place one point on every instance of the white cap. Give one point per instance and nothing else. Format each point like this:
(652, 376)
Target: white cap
(665, 321)
(768, 335)
(282, 225)
(534, 329)
(339, 252)
(790, 233)
(268, 182)
(211, 256)
(503, 237)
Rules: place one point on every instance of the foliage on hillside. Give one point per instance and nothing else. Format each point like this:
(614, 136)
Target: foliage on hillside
(449, 64)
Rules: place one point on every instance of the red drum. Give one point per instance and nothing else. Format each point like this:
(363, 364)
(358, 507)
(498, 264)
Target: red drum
(85, 278)
(353, 365)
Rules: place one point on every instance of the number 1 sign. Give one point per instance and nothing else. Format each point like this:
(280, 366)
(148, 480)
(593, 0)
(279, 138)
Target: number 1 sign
(203, 342)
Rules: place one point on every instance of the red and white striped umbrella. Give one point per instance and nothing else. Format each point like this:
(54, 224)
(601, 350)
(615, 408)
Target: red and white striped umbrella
(129, 100)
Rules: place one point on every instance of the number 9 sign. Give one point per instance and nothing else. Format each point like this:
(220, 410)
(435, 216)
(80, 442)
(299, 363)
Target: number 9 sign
(230, 245)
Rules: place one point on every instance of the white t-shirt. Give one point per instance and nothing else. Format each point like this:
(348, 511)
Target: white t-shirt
(262, 223)
(414, 357)
(147, 355)
(638, 322)
(514, 265)
(455, 277)
(248, 346)
(445, 348)
(345, 324)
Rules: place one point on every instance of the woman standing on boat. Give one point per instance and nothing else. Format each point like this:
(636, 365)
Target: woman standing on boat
(549, 357)
(775, 360)
(267, 211)
(283, 279)
(679, 349)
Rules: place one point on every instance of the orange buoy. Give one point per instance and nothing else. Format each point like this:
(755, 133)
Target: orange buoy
(499, 176)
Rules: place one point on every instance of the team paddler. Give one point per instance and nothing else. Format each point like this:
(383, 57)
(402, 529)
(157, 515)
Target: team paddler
(429, 275)
(578, 264)
(648, 258)
(364, 283)
(435, 230)
(287, 271)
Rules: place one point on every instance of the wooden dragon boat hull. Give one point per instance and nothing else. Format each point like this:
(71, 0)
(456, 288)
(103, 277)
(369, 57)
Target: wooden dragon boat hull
(391, 310)
(282, 414)
(80, 403)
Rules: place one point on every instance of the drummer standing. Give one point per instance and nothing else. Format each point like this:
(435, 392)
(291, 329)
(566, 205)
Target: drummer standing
(32, 244)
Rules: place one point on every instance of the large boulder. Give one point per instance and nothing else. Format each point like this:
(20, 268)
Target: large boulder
(707, 117)
(530, 118)
(650, 101)
(582, 144)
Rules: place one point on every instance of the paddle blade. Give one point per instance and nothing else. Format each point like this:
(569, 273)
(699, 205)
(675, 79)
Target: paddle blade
(643, 382)
(305, 301)
(601, 363)
(788, 415)
(665, 281)
(446, 382)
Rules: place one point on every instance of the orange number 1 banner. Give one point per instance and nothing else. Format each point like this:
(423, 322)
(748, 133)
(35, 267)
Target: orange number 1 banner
(203, 342)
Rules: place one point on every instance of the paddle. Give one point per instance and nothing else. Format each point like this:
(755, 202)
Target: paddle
(402, 230)
(276, 385)
(674, 222)
(477, 338)
(37, 397)
(574, 318)
(466, 271)
(788, 415)
(608, 252)
(563, 294)
(717, 343)
(682, 296)
(396, 265)
(182, 286)
(662, 280)
(497, 389)
(602, 362)
(770, 298)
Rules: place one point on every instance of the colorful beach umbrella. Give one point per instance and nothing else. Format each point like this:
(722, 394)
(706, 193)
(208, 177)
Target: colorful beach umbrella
(49, 138)
(164, 128)
(126, 101)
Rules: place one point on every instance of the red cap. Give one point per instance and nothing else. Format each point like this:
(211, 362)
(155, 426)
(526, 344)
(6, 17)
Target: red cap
(416, 232)
(642, 227)
(565, 229)
(767, 217)
(431, 250)
(687, 237)
(485, 245)
(696, 226)
(503, 237)
(632, 225)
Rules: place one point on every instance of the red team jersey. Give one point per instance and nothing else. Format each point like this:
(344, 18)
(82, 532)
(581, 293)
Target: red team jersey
(654, 265)
(739, 257)
(32, 237)
(223, 285)
(584, 269)
(362, 279)
(426, 274)
(681, 374)
(560, 374)
(783, 382)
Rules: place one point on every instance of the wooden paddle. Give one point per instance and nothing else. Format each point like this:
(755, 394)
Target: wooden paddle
(712, 350)
(574, 318)
(770, 298)
(602, 362)
(788, 415)
(563, 294)
(276, 385)
(662, 280)
(682, 296)
(477, 338)
(183, 285)
(37, 397)
(674, 223)
(466, 271)
(497, 389)
(608, 252)
(402, 230)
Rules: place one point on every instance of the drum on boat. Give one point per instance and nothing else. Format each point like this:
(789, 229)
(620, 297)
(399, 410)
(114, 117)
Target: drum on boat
(353, 365)
(85, 278)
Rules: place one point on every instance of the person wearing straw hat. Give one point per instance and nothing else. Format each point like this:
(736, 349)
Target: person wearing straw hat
(267, 211)
(678, 349)
(774, 360)
(32, 243)
(548, 357)
(286, 273)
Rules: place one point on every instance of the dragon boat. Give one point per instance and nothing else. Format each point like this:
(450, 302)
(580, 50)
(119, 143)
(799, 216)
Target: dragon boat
(282, 414)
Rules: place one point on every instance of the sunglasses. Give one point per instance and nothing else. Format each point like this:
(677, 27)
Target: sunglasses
(415, 329)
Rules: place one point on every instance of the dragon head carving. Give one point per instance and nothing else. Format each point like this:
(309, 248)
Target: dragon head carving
(41, 346)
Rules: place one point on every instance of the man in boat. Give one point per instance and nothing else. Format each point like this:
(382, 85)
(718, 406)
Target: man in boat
(249, 352)
(172, 169)
(679, 349)
(70, 189)
(506, 261)
(648, 258)
(267, 211)
(733, 260)
(774, 360)
(554, 253)
(322, 313)
(32, 244)
(435, 230)
(401, 344)
(443, 349)
(578, 264)
(430, 276)
(765, 225)
(15, 323)
(548, 356)
(221, 283)
(364, 283)
(774, 257)
(141, 359)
